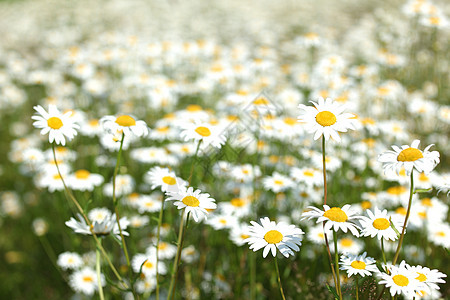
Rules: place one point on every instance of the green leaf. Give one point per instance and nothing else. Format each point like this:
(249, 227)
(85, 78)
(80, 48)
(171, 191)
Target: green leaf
(393, 227)
(333, 291)
(423, 190)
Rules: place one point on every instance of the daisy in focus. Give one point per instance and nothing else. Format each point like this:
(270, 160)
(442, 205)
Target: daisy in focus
(59, 126)
(335, 218)
(124, 123)
(272, 236)
(378, 224)
(326, 118)
(409, 158)
(358, 265)
(402, 281)
(195, 202)
(428, 277)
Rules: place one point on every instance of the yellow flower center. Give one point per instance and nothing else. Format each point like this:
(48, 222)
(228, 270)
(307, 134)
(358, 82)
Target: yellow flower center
(193, 107)
(244, 236)
(401, 211)
(326, 118)
(54, 123)
(396, 190)
(422, 277)
(423, 177)
(422, 214)
(261, 101)
(169, 180)
(278, 182)
(321, 235)
(88, 279)
(162, 246)
(410, 154)
(223, 221)
(148, 265)
(308, 173)
(381, 224)
(357, 264)
(440, 233)
(346, 242)
(191, 201)
(273, 237)
(238, 202)
(426, 202)
(82, 174)
(203, 131)
(290, 121)
(400, 280)
(56, 176)
(336, 214)
(125, 121)
(366, 204)
(93, 123)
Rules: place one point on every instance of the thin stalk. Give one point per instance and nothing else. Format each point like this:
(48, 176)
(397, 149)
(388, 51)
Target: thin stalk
(158, 236)
(357, 287)
(252, 276)
(177, 257)
(88, 222)
(99, 278)
(191, 172)
(383, 253)
(278, 277)
(336, 261)
(400, 241)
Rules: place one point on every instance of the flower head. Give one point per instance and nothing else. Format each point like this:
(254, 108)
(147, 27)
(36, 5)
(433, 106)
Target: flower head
(358, 265)
(271, 236)
(378, 224)
(409, 157)
(56, 124)
(402, 280)
(326, 118)
(124, 123)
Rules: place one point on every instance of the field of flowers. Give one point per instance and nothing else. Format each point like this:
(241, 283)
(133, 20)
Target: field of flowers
(224, 149)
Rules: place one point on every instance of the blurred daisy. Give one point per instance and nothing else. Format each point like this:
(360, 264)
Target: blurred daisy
(164, 178)
(138, 221)
(428, 277)
(195, 202)
(58, 125)
(277, 182)
(326, 118)
(99, 226)
(204, 132)
(377, 224)
(148, 203)
(307, 176)
(83, 180)
(146, 263)
(409, 158)
(270, 236)
(316, 234)
(239, 234)
(358, 265)
(146, 284)
(165, 250)
(85, 281)
(401, 281)
(348, 245)
(69, 261)
(334, 217)
(124, 123)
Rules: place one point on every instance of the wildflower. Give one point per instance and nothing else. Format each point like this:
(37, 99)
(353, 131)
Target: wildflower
(69, 260)
(83, 180)
(271, 236)
(204, 132)
(85, 281)
(358, 265)
(195, 202)
(428, 277)
(124, 123)
(146, 263)
(56, 124)
(409, 158)
(277, 182)
(378, 224)
(334, 217)
(401, 280)
(164, 178)
(326, 118)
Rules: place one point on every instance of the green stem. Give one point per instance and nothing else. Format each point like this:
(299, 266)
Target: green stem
(88, 222)
(278, 277)
(324, 172)
(191, 172)
(336, 262)
(383, 253)
(357, 287)
(158, 236)
(177, 257)
(400, 241)
(99, 279)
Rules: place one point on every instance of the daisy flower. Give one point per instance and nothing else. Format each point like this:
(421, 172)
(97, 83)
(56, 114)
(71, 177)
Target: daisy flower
(277, 182)
(358, 265)
(124, 123)
(59, 126)
(69, 260)
(409, 158)
(85, 281)
(316, 234)
(195, 202)
(83, 180)
(204, 132)
(334, 217)
(377, 224)
(401, 280)
(326, 118)
(348, 245)
(271, 236)
(148, 264)
(428, 277)
(164, 178)
(148, 203)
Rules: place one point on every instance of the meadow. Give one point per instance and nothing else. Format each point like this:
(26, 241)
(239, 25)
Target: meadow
(224, 149)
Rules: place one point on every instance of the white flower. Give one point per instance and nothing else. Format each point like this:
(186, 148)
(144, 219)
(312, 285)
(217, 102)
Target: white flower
(83, 180)
(326, 118)
(358, 264)
(102, 227)
(164, 178)
(271, 236)
(57, 124)
(428, 277)
(125, 123)
(69, 260)
(277, 182)
(204, 132)
(146, 263)
(195, 202)
(409, 158)
(401, 281)
(378, 224)
(334, 217)
(85, 281)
